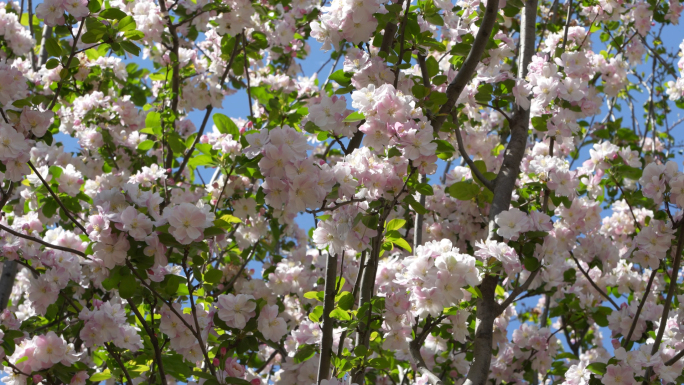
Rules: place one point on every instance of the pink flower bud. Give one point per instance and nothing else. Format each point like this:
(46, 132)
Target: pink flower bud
(615, 343)
(223, 351)
(255, 381)
(97, 303)
(216, 362)
(37, 378)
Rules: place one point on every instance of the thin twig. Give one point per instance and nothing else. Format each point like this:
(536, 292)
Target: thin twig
(68, 64)
(593, 284)
(68, 214)
(42, 242)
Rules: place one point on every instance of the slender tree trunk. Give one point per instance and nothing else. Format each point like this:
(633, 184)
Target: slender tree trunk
(367, 292)
(418, 224)
(328, 306)
(503, 190)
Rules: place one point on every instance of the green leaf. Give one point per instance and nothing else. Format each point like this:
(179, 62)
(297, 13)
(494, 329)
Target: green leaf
(153, 119)
(531, 263)
(354, 117)
(91, 37)
(316, 314)
(55, 171)
(225, 125)
(145, 145)
(432, 66)
(113, 13)
(213, 231)
(230, 219)
(484, 93)
(345, 301)
(566, 355)
(474, 291)
(341, 77)
(130, 47)
(52, 63)
(425, 189)
(380, 363)
(126, 24)
(419, 91)
(202, 160)
(318, 295)
(597, 368)
(304, 353)
(401, 242)
(629, 172)
(128, 286)
(420, 209)
(540, 122)
(213, 276)
(50, 208)
(461, 49)
(464, 191)
(53, 48)
(395, 224)
(94, 6)
(97, 377)
(438, 98)
(340, 314)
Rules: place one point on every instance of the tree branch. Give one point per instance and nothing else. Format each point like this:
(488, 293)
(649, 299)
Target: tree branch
(59, 202)
(467, 70)
(593, 284)
(153, 340)
(68, 63)
(42, 242)
(210, 108)
(641, 306)
(461, 149)
(327, 328)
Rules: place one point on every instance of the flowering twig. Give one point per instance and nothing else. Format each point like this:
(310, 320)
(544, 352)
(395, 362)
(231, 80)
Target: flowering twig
(42, 242)
(210, 108)
(401, 43)
(461, 149)
(641, 306)
(593, 284)
(67, 66)
(153, 339)
(117, 358)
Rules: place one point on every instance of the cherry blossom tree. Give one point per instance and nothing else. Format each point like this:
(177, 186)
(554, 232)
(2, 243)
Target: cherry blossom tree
(493, 185)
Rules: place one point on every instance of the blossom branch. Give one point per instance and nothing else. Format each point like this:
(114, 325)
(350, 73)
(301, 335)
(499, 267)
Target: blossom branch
(59, 202)
(153, 339)
(674, 359)
(461, 149)
(593, 284)
(677, 258)
(641, 306)
(414, 350)
(117, 358)
(68, 64)
(193, 308)
(385, 46)
(249, 88)
(401, 43)
(42, 242)
(467, 70)
(512, 297)
(210, 108)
